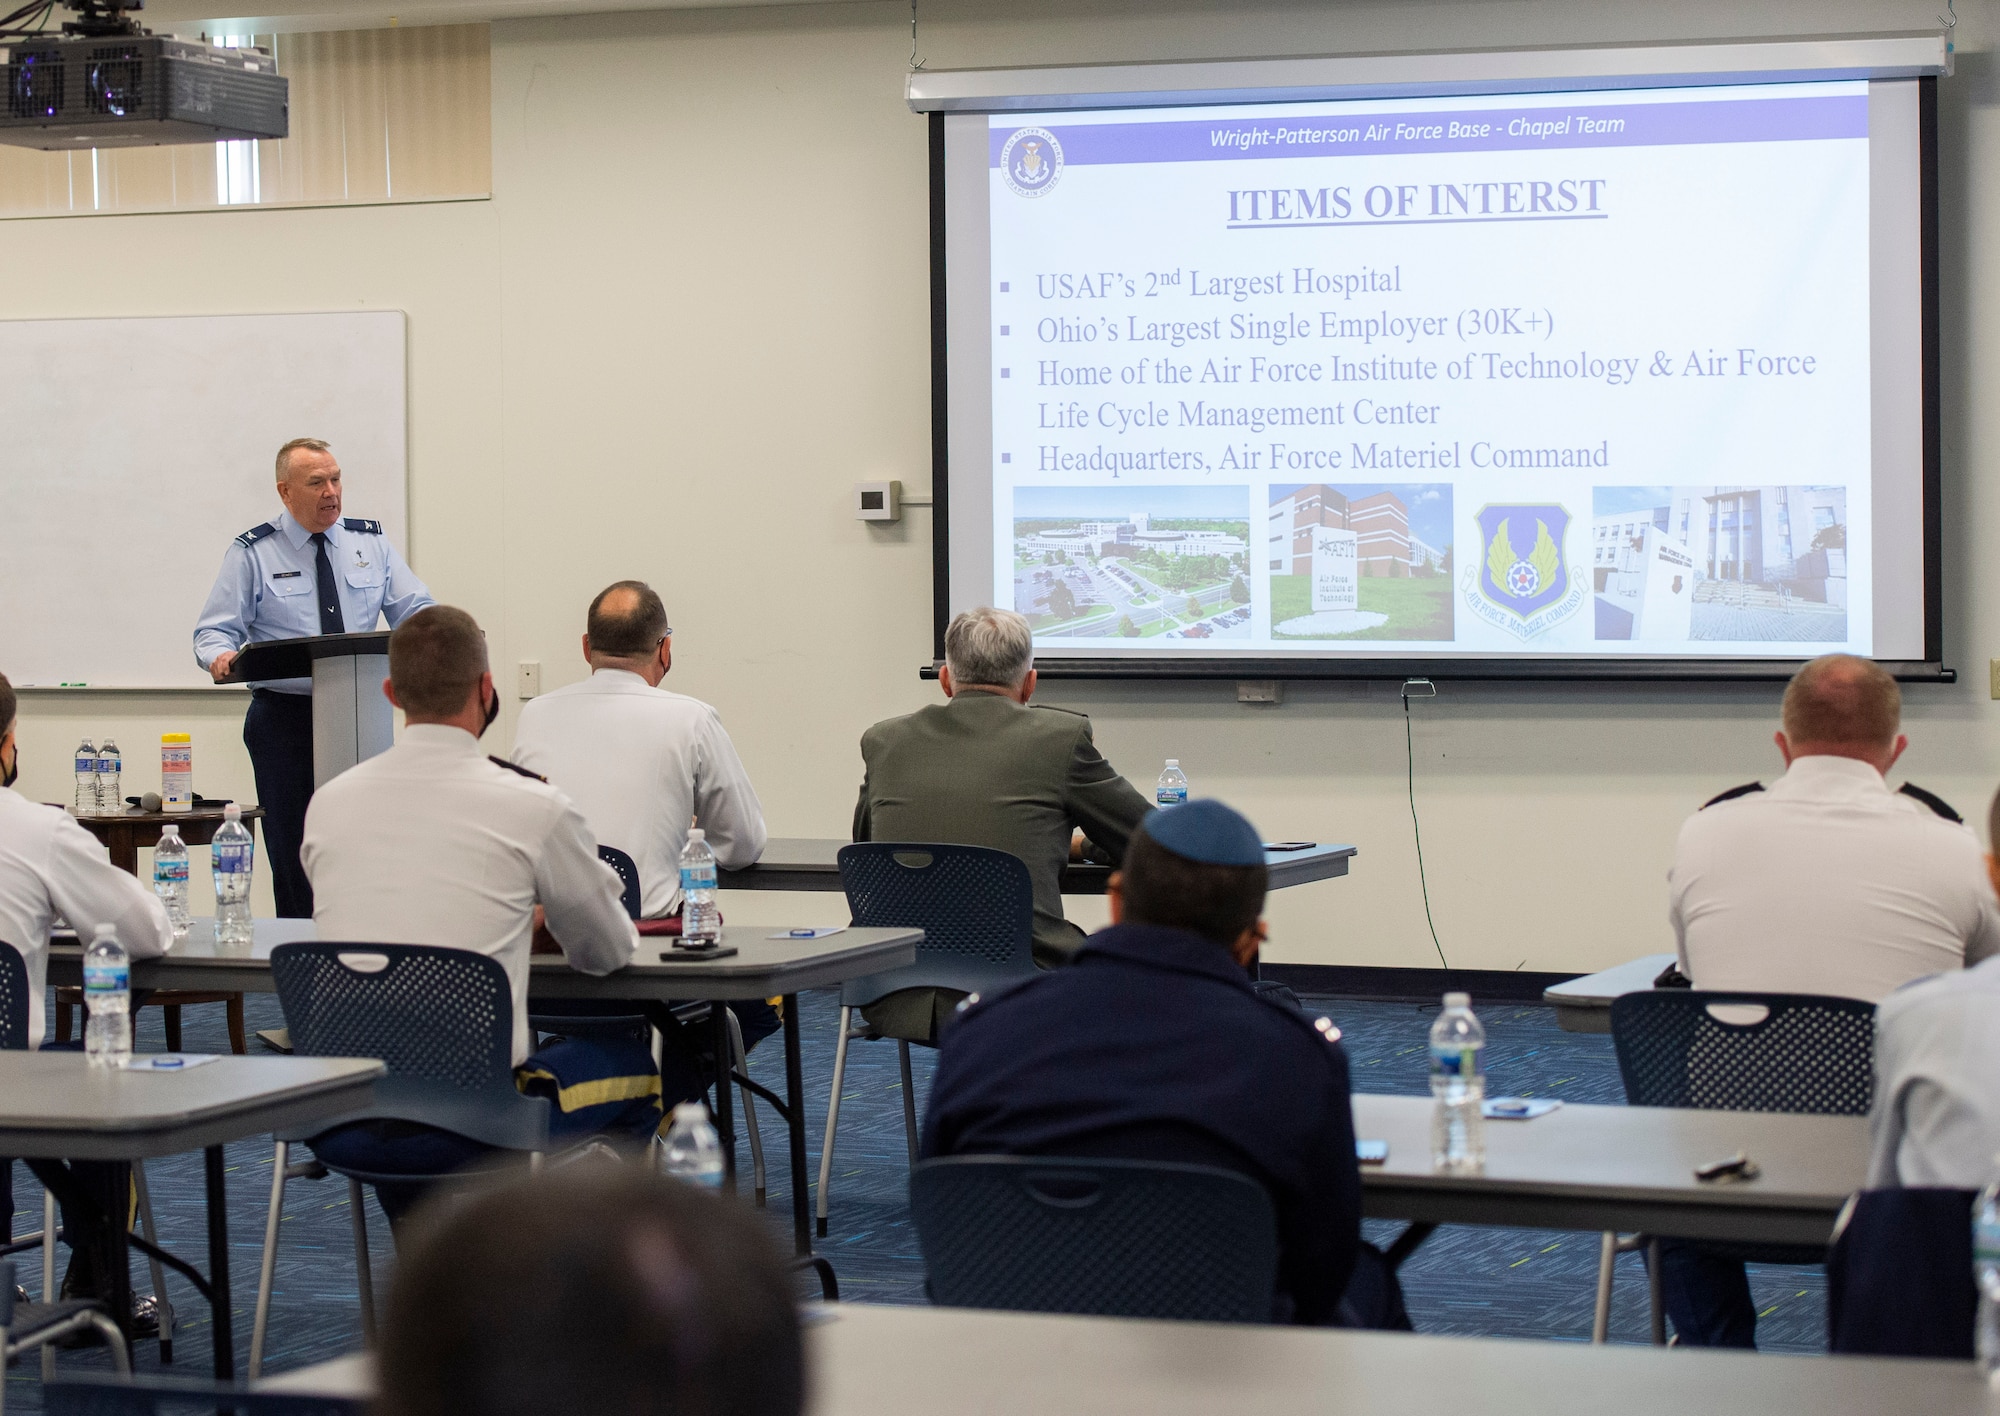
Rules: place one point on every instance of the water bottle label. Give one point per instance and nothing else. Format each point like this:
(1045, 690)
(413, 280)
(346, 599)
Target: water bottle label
(1985, 1240)
(1171, 796)
(697, 877)
(86, 764)
(232, 860)
(1455, 1061)
(170, 872)
(106, 978)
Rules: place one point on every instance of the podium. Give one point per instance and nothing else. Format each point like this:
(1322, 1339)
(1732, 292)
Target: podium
(352, 719)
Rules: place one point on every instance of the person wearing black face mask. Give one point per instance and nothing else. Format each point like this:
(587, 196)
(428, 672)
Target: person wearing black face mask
(434, 842)
(51, 866)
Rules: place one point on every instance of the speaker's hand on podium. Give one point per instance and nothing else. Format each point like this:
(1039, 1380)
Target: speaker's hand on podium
(220, 665)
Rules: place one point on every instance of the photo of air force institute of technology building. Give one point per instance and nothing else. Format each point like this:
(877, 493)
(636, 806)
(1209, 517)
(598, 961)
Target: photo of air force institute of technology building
(1381, 522)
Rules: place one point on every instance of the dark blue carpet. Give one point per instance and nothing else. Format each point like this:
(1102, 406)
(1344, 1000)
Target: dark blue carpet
(1477, 1282)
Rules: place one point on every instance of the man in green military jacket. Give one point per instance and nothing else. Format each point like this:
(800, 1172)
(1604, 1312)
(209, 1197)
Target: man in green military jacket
(988, 768)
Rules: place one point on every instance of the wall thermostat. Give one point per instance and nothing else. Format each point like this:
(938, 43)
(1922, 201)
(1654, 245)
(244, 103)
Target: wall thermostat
(878, 501)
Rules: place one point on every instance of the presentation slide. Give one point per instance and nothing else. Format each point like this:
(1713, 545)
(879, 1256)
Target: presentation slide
(1562, 374)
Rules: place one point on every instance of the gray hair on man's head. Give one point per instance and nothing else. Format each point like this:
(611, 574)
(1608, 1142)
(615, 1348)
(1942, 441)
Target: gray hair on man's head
(298, 445)
(990, 647)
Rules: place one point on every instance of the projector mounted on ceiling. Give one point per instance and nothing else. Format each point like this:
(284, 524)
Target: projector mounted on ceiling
(104, 83)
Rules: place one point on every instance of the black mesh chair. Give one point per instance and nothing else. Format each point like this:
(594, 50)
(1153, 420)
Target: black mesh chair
(13, 999)
(1899, 1275)
(1115, 1238)
(628, 877)
(583, 1018)
(26, 1326)
(1798, 1052)
(443, 1022)
(976, 907)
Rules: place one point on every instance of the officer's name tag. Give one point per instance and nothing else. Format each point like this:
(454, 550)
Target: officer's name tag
(288, 574)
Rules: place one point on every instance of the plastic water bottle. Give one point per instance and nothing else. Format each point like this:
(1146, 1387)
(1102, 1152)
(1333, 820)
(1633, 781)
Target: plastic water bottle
(1458, 1088)
(1986, 1275)
(701, 923)
(1173, 787)
(170, 877)
(233, 856)
(109, 767)
(107, 999)
(86, 778)
(692, 1151)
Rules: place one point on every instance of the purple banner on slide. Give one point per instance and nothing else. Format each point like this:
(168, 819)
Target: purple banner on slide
(1744, 120)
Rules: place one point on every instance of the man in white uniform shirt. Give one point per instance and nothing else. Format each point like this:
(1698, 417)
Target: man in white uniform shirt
(1828, 882)
(433, 842)
(642, 764)
(1937, 1074)
(51, 866)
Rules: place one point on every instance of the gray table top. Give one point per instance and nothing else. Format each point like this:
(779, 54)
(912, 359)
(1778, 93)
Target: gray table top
(1622, 1167)
(810, 863)
(1584, 1004)
(883, 1361)
(58, 1104)
(761, 967)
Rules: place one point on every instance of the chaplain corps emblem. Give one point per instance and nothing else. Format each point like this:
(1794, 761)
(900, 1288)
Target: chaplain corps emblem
(1031, 162)
(1522, 581)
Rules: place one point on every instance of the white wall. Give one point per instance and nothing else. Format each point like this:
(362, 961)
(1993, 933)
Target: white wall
(693, 207)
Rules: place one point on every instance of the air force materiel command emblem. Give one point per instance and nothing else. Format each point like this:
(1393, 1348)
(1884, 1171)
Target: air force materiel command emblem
(1522, 582)
(1031, 162)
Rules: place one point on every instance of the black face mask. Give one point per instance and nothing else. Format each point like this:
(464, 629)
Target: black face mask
(492, 712)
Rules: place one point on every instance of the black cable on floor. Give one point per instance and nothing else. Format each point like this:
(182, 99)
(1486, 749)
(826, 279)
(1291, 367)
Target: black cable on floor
(1416, 827)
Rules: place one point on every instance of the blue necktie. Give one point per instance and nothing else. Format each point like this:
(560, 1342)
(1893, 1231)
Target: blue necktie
(330, 618)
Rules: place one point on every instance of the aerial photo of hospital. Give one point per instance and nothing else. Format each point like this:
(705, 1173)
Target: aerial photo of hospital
(1133, 562)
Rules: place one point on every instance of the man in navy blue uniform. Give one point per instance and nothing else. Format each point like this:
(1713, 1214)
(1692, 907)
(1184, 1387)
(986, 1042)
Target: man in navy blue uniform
(1153, 1045)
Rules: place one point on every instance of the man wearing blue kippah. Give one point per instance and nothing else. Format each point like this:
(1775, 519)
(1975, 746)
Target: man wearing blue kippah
(1153, 1045)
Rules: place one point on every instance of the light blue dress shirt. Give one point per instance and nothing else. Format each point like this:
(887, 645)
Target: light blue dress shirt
(268, 588)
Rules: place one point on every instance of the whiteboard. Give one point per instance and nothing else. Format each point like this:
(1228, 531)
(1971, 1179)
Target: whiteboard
(133, 450)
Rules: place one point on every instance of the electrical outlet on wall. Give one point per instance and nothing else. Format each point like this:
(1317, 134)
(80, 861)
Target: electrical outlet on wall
(529, 679)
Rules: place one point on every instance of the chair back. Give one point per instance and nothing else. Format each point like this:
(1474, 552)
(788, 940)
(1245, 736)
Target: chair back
(975, 905)
(171, 1396)
(1116, 1238)
(442, 1016)
(1899, 1275)
(13, 999)
(628, 877)
(1805, 1053)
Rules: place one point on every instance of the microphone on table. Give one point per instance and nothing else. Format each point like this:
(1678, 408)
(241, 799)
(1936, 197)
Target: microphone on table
(149, 802)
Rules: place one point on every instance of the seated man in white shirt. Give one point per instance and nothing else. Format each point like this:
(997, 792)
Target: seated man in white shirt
(1937, 1074)
(51, 866)
(1828, 882)
(433, 842)
(642, 765)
